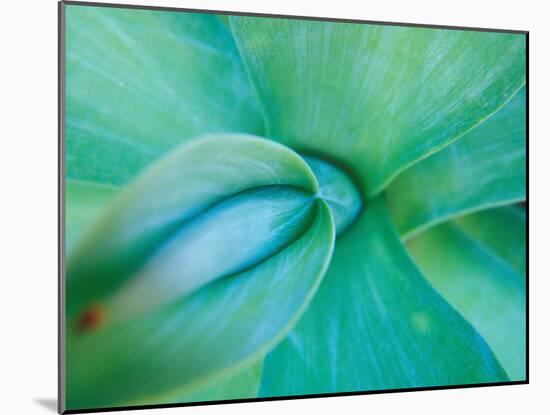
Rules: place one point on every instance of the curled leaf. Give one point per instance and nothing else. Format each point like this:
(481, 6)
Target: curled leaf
(194, 272)
(172, 193)
(184, 347)
(237, 234)
(338, 190)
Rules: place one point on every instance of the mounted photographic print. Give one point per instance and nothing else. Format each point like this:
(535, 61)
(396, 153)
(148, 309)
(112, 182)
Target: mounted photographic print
(261, 207)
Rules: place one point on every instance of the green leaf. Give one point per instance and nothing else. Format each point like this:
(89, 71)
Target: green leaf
(192, 197)
(337, 189)
(377, 98)
(243, 385)
(84, 202)
(488, 292)
(485, 168)
(234, 235)
(502, 230)
(139, 82)
(376, 323)
(214, 333)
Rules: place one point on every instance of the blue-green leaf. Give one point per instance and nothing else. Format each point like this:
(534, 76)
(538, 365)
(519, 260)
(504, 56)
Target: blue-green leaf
(84, 202)
(139, 82)
(502, 230)
(337, 189)
(234, 235)
(485, 168)
(243, 385)
(172, 193)
(377, 98)
(210, 335)
(375, 324)
(195, 270)
(488, 292)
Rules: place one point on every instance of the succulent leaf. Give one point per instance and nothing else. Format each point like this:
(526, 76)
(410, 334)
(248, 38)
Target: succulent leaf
(483, 287)
(140, 82)
(171, 260)
(179, 349)
(338, 190)
(483, 169)
(203, 262)
(243, 385)
(376, 98)
(375, 324)
(502, 230)
(171, 194)
(84, 202)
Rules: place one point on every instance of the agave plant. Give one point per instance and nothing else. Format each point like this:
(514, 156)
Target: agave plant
(261, 207)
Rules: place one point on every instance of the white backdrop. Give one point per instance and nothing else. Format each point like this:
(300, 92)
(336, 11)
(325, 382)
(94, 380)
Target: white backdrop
(28, 208)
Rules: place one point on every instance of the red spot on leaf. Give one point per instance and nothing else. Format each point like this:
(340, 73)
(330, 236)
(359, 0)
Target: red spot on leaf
(91, 318)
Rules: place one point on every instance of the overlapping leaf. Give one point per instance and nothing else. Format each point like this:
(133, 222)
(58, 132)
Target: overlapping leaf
(338, 190)
(169, 195)
(484, 168)
(480, 285)
(187, 211)
(503, 231)
(376, 323)
(376, 98)
(170, 353)
(139, 82)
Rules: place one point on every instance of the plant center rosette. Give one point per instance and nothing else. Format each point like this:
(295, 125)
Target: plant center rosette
(219, 211)
(240, 192)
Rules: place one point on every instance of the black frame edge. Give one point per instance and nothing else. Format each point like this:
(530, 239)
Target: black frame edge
(527, 207)
(293, 17)
(292, 397)
(61, 364)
